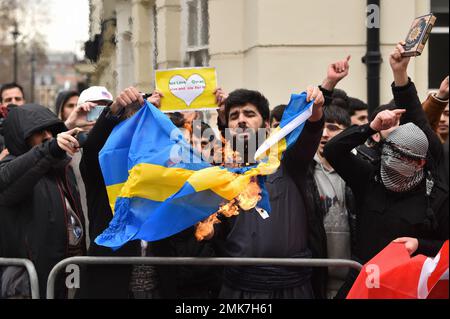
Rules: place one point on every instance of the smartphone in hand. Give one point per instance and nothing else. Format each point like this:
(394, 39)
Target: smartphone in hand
(95, 113)
(81, 138)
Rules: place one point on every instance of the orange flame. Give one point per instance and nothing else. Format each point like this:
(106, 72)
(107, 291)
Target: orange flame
(205, 229)
(229, 210)
(250, 197)
(188, 126)
(247, 200)
(225, 155)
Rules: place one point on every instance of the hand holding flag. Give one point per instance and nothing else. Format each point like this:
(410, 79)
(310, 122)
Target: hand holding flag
(153, 196)
(393, 274)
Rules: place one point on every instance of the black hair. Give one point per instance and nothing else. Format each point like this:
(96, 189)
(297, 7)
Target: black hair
(277, 113)
(62, 99)
(355, 105)
(9, 86)
(340, 98)
(336, 114)
(242, 97)
(339, 94)
(390, 106)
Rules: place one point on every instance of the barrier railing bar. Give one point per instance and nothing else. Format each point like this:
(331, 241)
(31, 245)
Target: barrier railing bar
(195, 261)
(29, 266)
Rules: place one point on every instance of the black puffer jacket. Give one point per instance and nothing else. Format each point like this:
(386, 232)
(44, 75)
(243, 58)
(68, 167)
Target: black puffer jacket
(33, 213)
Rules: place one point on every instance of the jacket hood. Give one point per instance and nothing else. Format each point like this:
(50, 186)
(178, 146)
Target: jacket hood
(62, 99)
(24, 121)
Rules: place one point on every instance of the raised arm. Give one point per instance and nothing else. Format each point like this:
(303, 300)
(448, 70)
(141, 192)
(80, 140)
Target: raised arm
(300, 155)
(355, 171)
(405, 95)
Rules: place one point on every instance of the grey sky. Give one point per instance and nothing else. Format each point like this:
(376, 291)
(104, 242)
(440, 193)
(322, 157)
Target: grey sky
(69, 25)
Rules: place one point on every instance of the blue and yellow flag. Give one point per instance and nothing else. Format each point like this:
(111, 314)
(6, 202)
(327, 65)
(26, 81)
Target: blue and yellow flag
(159, 186)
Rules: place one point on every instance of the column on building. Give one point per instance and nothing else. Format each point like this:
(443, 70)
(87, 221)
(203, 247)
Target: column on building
(103, 21)
(125, 51)
(143, 43)
(168, 34)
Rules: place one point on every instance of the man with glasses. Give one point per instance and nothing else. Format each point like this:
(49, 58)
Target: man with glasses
(331, 208)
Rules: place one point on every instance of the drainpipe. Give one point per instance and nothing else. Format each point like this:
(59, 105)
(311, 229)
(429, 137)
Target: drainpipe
(373, 58)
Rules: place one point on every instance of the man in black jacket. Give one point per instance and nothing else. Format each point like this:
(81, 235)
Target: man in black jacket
(331, 215)
(117, 282)
(315, 201)
(284, 233)
(40, 211)
(401, 197)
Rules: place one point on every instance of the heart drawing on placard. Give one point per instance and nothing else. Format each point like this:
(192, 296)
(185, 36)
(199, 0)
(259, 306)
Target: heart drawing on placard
(187, 90)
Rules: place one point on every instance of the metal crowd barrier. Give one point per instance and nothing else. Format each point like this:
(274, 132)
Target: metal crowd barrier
(194, 261)
(29, 266)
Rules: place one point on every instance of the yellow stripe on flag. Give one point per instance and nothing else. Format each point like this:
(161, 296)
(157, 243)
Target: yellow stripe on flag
(114, 192)
(158, 183)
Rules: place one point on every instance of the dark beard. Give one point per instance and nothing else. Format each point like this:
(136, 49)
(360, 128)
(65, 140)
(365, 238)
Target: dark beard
(250, 145)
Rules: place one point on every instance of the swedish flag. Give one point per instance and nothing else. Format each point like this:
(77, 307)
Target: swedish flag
(158, 185)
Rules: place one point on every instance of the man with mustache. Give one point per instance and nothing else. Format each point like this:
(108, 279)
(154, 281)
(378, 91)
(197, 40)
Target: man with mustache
(284, 233)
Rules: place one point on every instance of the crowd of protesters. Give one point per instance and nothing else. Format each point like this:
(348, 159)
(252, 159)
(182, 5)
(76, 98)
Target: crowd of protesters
(352, 183)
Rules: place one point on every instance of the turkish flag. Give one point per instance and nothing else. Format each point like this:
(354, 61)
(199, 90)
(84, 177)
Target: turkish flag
(393, 274)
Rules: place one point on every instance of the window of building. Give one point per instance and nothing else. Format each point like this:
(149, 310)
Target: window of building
(438, 44)
(197, 37)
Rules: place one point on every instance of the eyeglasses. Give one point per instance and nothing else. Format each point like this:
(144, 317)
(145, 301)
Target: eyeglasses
(333, 127)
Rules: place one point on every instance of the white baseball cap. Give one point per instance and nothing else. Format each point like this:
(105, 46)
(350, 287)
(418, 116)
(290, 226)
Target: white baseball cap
(95, 93)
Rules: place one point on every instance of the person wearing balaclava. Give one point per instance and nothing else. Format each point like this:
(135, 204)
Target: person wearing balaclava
(403, 156)
(400, 199)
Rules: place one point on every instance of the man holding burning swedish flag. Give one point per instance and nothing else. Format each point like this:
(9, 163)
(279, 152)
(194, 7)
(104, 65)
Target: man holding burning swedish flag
(158, 186)
(283, 233)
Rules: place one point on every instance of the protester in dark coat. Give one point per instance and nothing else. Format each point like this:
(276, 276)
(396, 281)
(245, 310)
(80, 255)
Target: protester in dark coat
(115, 282)
(284, 233)
(331, 210)
(390, 204)
(314, 202)
(40, 211)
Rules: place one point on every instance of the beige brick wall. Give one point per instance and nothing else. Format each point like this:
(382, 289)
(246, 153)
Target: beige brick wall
(276, 46)
(279, 47)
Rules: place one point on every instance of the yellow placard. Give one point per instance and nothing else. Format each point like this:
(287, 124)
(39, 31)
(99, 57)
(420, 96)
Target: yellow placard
(189, 89)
